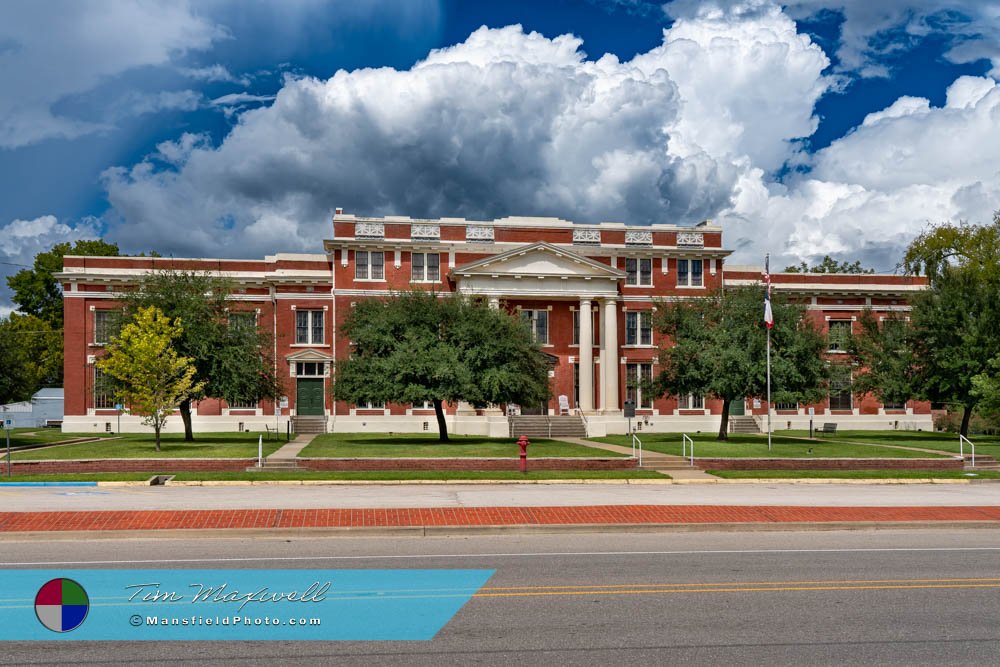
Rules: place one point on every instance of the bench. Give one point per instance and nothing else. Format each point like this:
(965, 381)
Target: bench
(829, 428)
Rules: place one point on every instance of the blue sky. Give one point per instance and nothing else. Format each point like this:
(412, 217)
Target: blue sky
(225, 128)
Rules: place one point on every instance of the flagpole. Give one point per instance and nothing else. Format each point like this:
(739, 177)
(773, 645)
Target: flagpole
(767, 270)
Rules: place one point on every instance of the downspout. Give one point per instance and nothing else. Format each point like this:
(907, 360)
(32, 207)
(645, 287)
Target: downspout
(274, 360)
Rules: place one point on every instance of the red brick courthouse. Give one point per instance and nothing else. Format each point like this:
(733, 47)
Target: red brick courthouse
(586, 291)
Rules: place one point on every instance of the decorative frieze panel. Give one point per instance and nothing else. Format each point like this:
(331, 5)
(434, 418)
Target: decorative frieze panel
(369, 230)
(479, 233)
(425, 232)
(638, 238)
(690, 240)
(587, 236)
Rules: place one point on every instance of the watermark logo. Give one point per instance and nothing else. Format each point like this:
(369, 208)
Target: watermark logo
(61, 605)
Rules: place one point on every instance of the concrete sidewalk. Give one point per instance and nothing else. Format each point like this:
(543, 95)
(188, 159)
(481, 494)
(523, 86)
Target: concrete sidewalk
(498, 518)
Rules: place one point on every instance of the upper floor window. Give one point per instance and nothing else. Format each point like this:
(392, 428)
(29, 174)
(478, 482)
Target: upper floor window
(839, 335)
(243, 320)
(538, 324)
(425, 267)
(309, 327)
(369, 265)
(690, 272)
(639, 327)
(638, 271)
(107, 325)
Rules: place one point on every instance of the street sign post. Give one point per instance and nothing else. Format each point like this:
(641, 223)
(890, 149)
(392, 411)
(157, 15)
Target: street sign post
(118, 407)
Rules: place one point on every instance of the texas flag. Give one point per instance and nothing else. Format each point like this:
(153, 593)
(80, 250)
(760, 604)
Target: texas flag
(768, 316)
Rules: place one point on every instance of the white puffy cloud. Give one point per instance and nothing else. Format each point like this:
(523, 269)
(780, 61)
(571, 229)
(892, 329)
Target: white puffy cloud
(55, 49)
(506, 122)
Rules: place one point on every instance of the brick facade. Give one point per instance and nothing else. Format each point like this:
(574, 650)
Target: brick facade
(520, 264)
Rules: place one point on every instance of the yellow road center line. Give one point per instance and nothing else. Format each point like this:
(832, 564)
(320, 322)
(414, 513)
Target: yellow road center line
(748, 589)
(744, 583)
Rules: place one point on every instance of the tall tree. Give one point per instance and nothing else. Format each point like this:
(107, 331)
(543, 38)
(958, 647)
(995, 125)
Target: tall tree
(986, 387)
(885, 360)
(419, 346)
(150, 376)
(36, 290)
(719, 350)
(955, 334)
(830, 265)
(232, 361)
(27, 361)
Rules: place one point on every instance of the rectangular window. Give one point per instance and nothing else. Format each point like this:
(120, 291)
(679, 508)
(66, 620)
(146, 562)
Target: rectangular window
(786, 406)
(425, 267)
(309, 327)
(104, 398)
(243, 321)
(310, 369)
(839, 335)
(840, 387)
(690, 272)
(369, 265)
(691, 402)
(639, 327)
(243, 404)
(370, 405)
(894, 405)
(107, 325)
(538, 323)
(636, 377)
(638, 271)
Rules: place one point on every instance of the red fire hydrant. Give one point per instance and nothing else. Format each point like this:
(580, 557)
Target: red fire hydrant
(523, 443)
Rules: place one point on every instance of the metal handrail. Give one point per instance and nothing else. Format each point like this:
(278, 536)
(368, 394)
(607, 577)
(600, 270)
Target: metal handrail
(961, 449)
(635, 439)
(586, 424)
(684, 447)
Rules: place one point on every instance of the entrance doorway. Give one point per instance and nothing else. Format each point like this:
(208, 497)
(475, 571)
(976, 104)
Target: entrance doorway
(309, 396)
(738, 408)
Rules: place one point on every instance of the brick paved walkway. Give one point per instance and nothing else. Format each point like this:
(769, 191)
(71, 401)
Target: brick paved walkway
(13, 522)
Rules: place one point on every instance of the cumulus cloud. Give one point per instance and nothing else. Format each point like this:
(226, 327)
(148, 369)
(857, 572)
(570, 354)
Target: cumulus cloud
(510, 122)
(77, 44)
(506, 122)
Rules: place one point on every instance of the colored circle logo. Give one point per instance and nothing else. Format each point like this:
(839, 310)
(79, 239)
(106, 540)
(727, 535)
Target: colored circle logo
(61, 605)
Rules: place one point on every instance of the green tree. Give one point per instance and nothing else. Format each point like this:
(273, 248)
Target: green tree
(419, 346)
(150, 376)
(955, 334)
(829, 265)
(36, 290)
(232, 362)
(719, 350)
(27, 362)
(986, 387)
(884, 356)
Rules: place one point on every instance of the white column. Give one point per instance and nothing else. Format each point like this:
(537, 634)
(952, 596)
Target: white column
(586, 357)
(610, 358)
(495, 302)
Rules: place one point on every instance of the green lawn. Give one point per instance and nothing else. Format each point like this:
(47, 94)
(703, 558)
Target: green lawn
(853, 474)
(381, 445)
(755, 446)
(24, 437)
(942, 442)
(172, 445)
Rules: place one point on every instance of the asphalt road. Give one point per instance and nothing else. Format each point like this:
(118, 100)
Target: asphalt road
(821, 598)
(20, 499)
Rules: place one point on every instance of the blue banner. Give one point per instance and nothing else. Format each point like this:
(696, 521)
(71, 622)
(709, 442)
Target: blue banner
(163, 605)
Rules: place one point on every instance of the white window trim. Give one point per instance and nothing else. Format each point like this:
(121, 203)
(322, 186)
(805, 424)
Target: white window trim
(638, 331)
(368, 267)
(638, 272)
(312, 313)
(425, 279)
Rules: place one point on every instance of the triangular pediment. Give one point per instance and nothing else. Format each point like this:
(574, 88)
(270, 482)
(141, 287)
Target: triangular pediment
(309, 355)
(539, 259)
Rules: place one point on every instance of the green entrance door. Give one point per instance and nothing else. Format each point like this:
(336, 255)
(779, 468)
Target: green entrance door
(309, 396)
(737, 408)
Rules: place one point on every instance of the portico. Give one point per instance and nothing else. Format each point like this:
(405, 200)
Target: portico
(547, 273)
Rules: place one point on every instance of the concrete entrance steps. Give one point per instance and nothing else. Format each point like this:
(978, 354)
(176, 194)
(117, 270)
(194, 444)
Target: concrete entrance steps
(547, 426)
(675, 466)
(743, 424)
(983, 462)
(309, 424)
